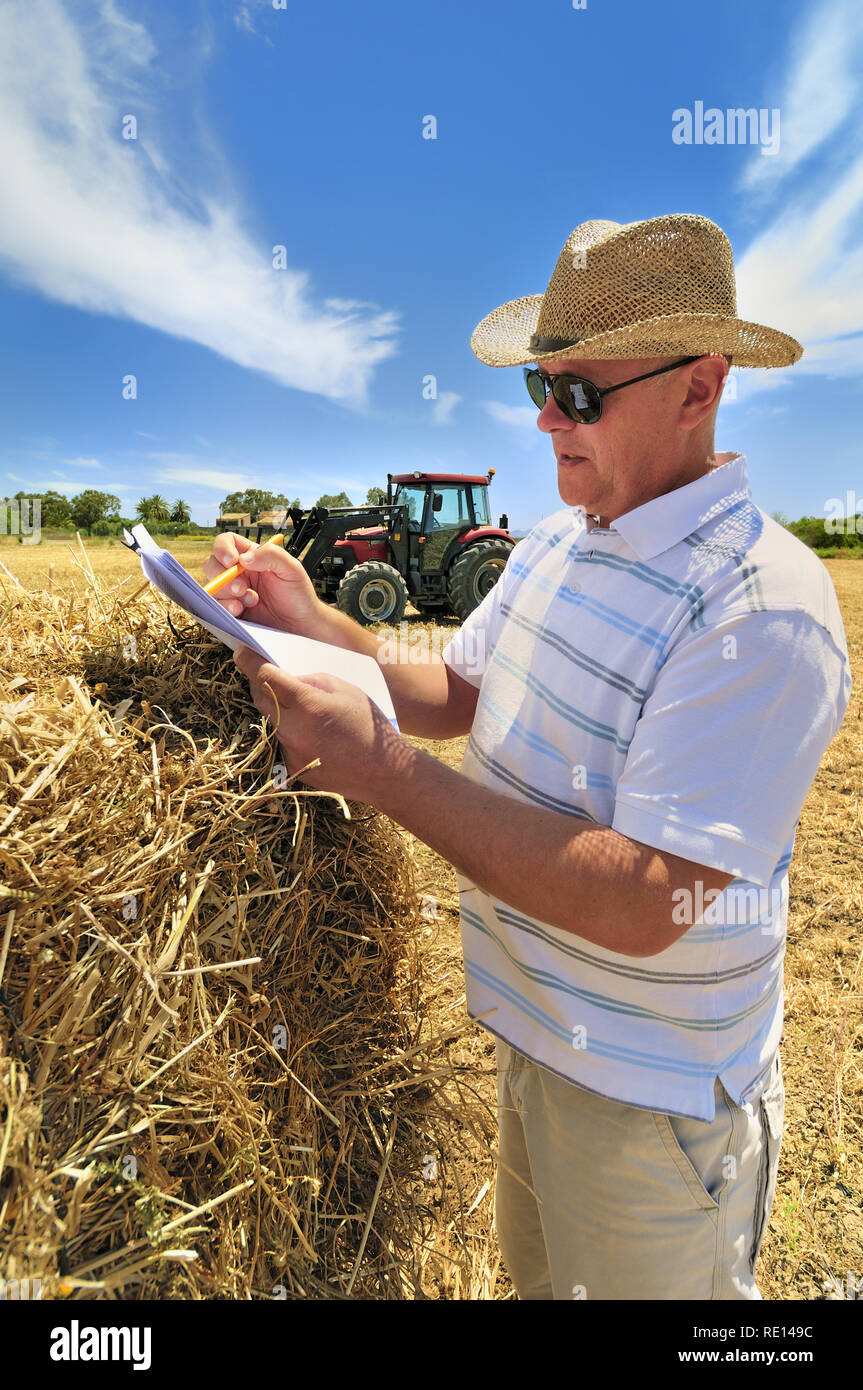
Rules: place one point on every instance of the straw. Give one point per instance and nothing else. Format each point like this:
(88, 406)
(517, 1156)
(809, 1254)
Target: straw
(210, 986)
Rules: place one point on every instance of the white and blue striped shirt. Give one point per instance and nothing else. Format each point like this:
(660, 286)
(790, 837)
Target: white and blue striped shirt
(677, 677)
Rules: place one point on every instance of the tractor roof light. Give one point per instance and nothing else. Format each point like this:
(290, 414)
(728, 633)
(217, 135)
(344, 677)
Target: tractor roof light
(417, 475)
(490, 474)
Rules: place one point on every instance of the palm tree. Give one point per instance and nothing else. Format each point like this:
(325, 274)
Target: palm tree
(154, 508)
(181, 512)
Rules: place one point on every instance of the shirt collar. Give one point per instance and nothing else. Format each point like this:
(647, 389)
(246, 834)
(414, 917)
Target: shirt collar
(662, 522)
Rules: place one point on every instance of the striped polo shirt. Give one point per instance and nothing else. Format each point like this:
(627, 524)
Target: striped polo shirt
(677, 677)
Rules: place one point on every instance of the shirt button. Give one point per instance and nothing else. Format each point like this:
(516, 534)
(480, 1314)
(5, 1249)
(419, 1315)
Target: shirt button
(575, 588)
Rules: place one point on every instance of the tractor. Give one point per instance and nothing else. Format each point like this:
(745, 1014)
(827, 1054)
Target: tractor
(432, 542)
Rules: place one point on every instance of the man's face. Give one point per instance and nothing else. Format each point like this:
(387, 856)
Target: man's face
(633, 452)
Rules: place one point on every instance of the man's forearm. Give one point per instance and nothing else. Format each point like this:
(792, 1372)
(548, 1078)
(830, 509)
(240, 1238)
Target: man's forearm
(579, 877)
(430, 701)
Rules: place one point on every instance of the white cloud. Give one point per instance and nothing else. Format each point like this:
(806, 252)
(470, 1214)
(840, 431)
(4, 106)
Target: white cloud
(523, 417)
(186, 469)
(62, 485)
(82, 463)
(821, 89)
(443, 407)
(327, 482)
(105, 224)
(244, 18)
(803, 273)
(519, 421)
(121, 35)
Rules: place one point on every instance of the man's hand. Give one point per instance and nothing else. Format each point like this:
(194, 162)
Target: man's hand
(323, 717)
(273, 588)
(429, 699)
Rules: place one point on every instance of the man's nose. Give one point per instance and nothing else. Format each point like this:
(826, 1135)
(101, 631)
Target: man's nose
(551, 417)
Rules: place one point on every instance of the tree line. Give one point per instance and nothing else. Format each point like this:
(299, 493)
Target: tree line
(827, 535)
(98, 513)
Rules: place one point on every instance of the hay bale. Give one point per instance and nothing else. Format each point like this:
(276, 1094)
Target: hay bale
(212, 1082)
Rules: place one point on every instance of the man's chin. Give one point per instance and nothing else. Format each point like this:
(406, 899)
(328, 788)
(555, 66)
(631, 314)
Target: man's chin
(573, 493)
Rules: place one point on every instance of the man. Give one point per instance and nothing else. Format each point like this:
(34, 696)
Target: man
(649, 689)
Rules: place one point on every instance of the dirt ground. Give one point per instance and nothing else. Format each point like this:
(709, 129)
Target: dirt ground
(814, 1244)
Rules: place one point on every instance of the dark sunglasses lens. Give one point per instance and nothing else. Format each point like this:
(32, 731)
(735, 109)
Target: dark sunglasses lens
(579, 399)
(536, 388)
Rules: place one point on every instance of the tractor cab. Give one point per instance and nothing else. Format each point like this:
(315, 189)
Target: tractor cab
(447, 517)
(440, 508)
(442, 501)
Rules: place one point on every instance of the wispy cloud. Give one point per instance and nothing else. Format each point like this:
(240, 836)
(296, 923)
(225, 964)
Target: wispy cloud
(443, 407)
(136, 242)
(803, 273)
(172, 470)
(244, 17)
(821, 88)
(82, 463)
(189, 471)
(327, 482)
(523, 417)
(519, 421)
(67, 487)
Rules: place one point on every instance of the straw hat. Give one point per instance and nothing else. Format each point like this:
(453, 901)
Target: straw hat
(663, 287)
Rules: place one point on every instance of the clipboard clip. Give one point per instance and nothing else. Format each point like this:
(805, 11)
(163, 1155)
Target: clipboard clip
(130, 542)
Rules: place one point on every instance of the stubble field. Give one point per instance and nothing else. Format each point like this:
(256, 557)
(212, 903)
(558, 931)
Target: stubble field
(814, 1246)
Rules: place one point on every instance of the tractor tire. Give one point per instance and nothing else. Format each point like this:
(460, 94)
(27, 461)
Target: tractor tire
(473, 573)
(373, 593)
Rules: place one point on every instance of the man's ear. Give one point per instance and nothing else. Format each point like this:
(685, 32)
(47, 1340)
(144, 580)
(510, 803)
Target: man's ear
(705, 389)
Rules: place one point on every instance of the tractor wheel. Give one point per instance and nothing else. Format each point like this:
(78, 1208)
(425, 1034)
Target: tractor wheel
(474, 573)
(373, 593)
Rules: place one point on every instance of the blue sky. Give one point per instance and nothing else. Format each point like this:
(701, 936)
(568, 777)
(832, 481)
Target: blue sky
(302, 127)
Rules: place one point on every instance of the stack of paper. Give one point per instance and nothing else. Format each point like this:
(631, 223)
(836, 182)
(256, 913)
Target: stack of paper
(301, 656)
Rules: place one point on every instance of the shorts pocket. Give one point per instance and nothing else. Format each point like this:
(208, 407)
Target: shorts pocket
(683, 1163)
(772, 1115)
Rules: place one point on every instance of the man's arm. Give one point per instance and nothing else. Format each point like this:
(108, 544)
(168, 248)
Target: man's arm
(430, 700)
(721, 759)
(584, 879)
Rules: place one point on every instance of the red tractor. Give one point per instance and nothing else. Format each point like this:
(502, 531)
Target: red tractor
(432, 542)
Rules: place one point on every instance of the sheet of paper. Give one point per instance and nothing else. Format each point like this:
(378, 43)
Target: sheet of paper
(301, 656)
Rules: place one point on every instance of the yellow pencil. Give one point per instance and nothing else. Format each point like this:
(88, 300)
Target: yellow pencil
(222, 579)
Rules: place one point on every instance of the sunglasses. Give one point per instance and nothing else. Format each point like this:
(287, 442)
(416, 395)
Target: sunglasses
(579, 398)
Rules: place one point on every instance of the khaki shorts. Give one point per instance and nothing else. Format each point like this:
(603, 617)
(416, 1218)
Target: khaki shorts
(600, 1200)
